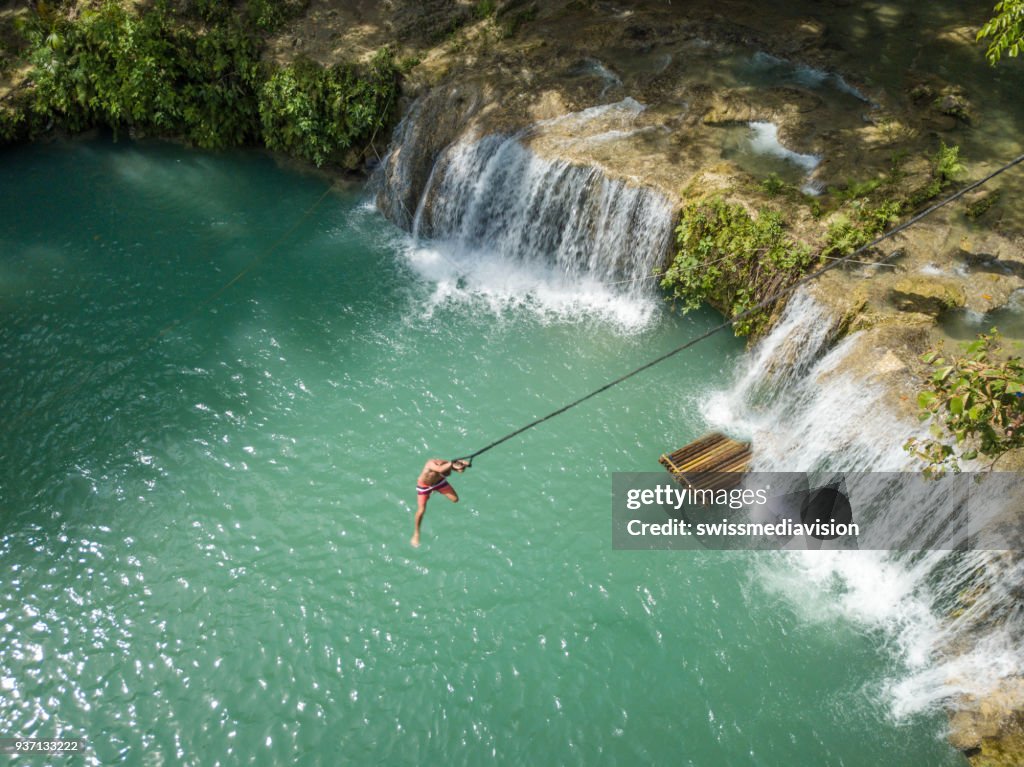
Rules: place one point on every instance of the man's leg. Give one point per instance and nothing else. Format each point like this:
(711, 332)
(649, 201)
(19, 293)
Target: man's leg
(421, 507)
(449, 492)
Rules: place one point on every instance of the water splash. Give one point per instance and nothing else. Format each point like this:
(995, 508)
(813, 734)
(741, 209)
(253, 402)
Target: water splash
(498, 222)
(953, 619)
(485, 280)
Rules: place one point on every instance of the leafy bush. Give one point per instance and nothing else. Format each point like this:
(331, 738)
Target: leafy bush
(113, 67)
(869, 212)
(221, 73)
(846, 234)
(773, 185)
(732, 260)
(265, 15)
(855, 189)
(155, 74)
(947, 165)
(316, 112)
(975, 403)
(270, 15)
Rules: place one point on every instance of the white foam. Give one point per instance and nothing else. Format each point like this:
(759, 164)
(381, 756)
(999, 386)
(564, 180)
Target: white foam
(974, 317)
(488, 281)
(805, 414)
(502, 226)
(765, 140)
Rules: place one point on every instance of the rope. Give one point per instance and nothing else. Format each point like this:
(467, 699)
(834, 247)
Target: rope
(751, 311)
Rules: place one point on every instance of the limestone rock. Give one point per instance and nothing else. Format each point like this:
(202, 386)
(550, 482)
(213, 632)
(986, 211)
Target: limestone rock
(990, 731)
(930, 296)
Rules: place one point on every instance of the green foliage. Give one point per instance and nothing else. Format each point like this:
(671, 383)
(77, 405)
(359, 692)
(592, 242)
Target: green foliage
(773, 185)
(864, 223)
(947, 165)
(975, 404)
(210, 11)
(928, 192)
(407, 63)
(732, 260)
(316, 112)
(264, 15)
(484, 9)
(855, 189)
(270, 15)
(735, 261)
(113, 67)
(156, 74)
(1005, 31)
(13, 122)
(869, 212)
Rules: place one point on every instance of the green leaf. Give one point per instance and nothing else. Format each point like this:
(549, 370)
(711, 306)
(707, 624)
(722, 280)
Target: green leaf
(956, 405)
(925, 399)
(942, 374)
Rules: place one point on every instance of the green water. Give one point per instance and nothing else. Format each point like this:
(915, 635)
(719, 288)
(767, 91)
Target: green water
(204, 538)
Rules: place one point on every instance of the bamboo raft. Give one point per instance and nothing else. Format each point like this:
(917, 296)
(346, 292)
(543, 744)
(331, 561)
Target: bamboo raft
(714, 461)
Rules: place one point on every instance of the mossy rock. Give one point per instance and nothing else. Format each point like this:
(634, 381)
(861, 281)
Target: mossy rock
(990, 730)
(1004, 748)
(979, 203)
(929, 296)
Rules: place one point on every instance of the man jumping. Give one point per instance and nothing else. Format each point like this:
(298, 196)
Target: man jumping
(434, 478)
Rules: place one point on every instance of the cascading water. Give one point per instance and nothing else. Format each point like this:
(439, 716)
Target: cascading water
(495, 220)
(498, 220)
(955, 615)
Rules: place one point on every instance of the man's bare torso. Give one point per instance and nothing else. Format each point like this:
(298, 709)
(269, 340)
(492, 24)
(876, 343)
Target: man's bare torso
(432, 473)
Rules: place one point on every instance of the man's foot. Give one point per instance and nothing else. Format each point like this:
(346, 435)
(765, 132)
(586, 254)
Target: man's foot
(415, 541)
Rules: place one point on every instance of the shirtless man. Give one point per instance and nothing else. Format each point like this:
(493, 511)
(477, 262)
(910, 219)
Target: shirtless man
(434, 479)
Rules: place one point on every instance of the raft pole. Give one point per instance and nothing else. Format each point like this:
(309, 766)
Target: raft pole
(714, 461)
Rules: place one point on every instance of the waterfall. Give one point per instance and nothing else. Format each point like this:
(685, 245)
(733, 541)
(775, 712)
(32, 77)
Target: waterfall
(496, 195)
(955, 616)
(497, 219)
(493, 220)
